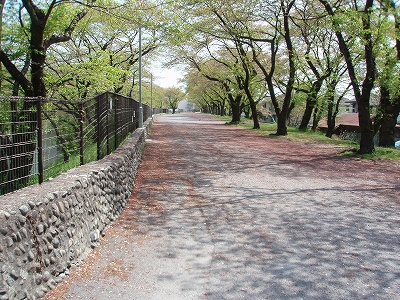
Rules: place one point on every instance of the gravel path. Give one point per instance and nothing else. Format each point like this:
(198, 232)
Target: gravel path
(219, 212)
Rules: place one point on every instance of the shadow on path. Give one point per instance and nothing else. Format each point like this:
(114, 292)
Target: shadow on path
(223, 213)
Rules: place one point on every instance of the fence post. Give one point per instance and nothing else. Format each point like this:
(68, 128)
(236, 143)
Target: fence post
(133, 116)
(107, 108)
(81, 135)
(40, 138)
(98, 114)
(117, 101)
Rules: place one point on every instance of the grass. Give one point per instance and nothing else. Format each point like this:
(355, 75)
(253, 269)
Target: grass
(90, 154)
(348, 147)
(59, 166)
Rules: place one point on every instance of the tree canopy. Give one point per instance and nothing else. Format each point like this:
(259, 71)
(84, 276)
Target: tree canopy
(299, 56)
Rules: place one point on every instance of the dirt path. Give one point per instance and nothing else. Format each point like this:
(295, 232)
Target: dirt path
(223, 213)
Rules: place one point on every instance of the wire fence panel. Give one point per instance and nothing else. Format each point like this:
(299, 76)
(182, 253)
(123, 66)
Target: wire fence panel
(88, 125)
(18, 122)
(60, 137)
(42, 138)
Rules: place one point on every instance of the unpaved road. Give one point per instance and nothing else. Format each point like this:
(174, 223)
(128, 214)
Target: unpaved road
(223, 213)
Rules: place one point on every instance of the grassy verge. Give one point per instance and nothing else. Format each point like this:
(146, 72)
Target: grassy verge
(60, 166)
(346, 147)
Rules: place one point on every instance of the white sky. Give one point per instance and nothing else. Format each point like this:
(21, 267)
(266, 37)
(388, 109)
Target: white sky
(166, 77)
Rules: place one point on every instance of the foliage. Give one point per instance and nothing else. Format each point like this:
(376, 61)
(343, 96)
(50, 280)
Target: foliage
(173, 96)
(237, 54)
(103, 55)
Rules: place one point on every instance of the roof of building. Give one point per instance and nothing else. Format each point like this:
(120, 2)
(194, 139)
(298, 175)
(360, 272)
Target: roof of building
(348, 119)
(342, 119)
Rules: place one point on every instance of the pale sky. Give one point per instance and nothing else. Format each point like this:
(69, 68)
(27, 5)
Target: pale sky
(167, 77)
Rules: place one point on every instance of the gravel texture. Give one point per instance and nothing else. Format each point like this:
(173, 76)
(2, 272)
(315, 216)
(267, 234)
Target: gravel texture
(219, 212)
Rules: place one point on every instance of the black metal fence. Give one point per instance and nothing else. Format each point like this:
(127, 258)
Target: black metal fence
(41, 138)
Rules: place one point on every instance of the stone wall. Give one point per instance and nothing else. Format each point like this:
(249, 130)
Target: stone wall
(46, 229)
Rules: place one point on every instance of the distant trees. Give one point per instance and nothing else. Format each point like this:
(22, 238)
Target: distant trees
(174, 95)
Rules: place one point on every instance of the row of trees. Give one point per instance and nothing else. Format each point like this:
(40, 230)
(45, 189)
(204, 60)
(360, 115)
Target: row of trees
(70, 49)
(296, 53)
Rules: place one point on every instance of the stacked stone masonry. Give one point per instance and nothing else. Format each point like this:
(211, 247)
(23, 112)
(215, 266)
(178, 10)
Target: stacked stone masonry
(49, 228)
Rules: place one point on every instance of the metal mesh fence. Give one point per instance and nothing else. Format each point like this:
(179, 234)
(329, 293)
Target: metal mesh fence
(42, 138)
(18, 139)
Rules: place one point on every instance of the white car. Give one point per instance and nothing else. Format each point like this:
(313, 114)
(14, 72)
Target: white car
(397, 144)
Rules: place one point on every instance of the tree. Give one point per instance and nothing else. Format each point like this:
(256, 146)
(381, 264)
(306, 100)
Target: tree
(42, 31)
(208, 95)
(315, 48)
(243, 66)
(174, 95)
(333, 98)
(241, 33)
(209, 48)
(388, 73)
(13, 40)
(363, 94)
(277, 29)
(102, 55)
(39, 42)
(220, 71)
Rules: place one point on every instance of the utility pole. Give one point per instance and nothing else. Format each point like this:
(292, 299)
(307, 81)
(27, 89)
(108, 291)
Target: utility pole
(140, 79)
(151, 94)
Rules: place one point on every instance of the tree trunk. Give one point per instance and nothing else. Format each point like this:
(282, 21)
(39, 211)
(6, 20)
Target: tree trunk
(390, 108)
(250, 72)
(236, 109)
(287, 105)
(310, 104)
(367, 132)
(387, 132)
(221, 111)
(362, 97)
(282, 125)
(390, 111)
(38, 54)
(2, 2)
(256, 123)
(331, 122)
(331, 118)
(316, 118)
(253, 107)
